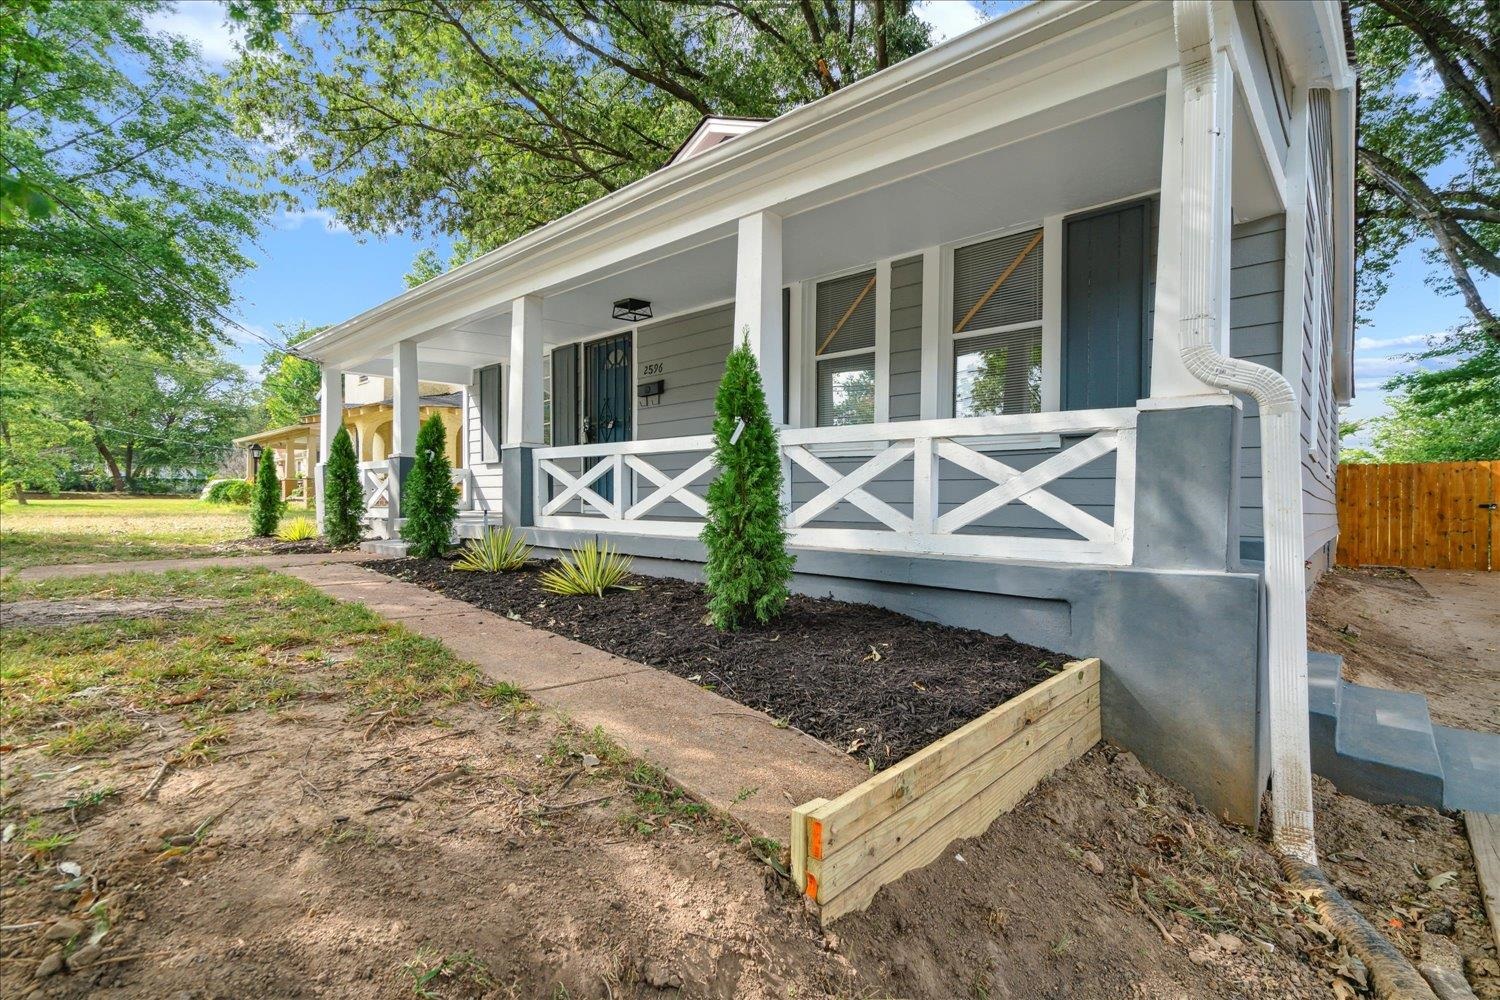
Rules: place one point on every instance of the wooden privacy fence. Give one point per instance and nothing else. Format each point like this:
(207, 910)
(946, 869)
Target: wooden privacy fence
(1433, 515)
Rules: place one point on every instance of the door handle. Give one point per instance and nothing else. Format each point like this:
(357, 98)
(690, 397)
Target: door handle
(1488, 506)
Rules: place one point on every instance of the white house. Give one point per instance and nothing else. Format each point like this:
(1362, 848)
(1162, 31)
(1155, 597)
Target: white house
(1056, 317)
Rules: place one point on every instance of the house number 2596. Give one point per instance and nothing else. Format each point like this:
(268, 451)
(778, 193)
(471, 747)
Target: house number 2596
(654, 368)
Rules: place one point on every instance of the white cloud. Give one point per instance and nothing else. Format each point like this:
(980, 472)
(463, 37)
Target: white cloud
(947, 18)
(294, 218)
(205, 23)
(1382, 343)
(1424, 82)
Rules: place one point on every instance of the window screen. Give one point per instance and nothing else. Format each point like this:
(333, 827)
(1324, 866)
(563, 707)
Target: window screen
(846, 390)
(846, 314)
(547, 398)
(978, 304)
(998, 373)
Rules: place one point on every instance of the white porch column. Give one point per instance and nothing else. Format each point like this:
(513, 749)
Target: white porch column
(330, 418)
(757, 303)
(523, 400)
(1169, 373)
(405, 399)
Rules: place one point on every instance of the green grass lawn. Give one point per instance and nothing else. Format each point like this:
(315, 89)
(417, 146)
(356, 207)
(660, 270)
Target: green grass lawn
(266, 642)
(112, 529)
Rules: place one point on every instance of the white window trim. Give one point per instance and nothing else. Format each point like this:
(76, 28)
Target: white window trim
(808, 358)
(1051, 324)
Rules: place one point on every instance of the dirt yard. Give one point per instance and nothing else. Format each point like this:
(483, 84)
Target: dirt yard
(1395, 633)
(350, 813)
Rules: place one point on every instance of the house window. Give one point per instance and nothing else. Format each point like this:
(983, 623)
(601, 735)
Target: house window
(997, 326)
(844, 348)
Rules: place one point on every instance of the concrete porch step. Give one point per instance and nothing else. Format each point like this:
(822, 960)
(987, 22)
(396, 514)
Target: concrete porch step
(389, 548)
(1382, 746)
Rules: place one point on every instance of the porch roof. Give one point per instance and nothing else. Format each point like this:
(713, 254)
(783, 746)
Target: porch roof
(1027, 74)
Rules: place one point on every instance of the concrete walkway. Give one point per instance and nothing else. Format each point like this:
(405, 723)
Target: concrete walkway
(731, 757)
(190, 562)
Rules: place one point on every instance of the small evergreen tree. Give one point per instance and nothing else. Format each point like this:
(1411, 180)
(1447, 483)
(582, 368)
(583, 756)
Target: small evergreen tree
(343, 499)
(748, 566)
(266, 504)
(428, 500)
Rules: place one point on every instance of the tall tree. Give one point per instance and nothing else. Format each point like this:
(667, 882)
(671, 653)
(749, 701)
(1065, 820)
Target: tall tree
(485, 120)
(124, 161)
(288, 384)
(1429, 143)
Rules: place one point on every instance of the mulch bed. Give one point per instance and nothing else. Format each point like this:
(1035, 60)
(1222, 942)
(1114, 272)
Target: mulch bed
(876, 684)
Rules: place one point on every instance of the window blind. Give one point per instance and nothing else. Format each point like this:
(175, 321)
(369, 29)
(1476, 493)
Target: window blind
(978, 266)
(836, 298)
(996, 373)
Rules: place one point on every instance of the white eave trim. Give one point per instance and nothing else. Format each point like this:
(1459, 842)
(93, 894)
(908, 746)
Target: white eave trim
(948, 58)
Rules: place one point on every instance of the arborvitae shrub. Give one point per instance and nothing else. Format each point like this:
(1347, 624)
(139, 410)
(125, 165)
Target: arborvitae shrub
(266, 505)
(343, 499)
(748, 566)
(429, 501)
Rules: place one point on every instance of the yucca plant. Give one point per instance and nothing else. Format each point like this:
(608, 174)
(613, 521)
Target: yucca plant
(297, 529)
(590, 568)
(496, 552)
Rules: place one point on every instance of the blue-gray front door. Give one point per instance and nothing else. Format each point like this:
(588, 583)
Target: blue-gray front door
(607, 402)
(1106, 301)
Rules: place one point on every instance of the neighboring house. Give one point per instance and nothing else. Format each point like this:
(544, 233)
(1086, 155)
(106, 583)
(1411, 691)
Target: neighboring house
(995, 292)
(368, 416)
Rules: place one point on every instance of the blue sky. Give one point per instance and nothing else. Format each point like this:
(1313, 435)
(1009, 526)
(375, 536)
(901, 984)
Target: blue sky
(311, 270)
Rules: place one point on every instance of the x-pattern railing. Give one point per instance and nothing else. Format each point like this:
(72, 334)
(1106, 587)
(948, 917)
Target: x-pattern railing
(570, 499)
(375, 482)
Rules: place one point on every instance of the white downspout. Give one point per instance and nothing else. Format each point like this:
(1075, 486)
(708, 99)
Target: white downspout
(1208, 104)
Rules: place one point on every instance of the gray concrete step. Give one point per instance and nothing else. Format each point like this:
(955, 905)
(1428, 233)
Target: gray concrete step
(390, 548)
(1382, 746)
(1471, 769)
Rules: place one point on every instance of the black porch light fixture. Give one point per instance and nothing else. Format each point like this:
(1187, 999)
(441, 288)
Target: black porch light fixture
(256, 451)
(632, 310)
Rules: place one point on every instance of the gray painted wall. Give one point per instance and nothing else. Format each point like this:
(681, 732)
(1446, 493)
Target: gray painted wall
(487, 475)
(906, 339)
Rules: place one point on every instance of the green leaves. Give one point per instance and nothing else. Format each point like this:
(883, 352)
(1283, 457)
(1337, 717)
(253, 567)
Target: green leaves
(343, 497)
(496, 552)
(591, 568)
(429, 503)
(748, 566)
(266, 506)
(1448, 408)
(486, 120)
(119, 208)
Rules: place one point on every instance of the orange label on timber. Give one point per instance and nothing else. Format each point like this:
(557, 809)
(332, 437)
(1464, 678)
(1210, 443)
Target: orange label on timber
(815, 839)
(812, 887)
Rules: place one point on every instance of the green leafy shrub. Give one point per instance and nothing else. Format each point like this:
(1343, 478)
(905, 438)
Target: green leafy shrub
(297, 529)
(429, 501)
(343, 497)
(497, 552)
(266, 503)
(235, 491)
(748, 566)
(590, 568)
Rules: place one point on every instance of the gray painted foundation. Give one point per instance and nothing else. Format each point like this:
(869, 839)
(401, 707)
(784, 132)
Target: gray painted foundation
(1180, 633)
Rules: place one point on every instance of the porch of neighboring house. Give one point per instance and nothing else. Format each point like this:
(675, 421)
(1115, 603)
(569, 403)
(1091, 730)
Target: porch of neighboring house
(969, 332)
(294, 449)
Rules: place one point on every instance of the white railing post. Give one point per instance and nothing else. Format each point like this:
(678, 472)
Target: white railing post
(924, 486)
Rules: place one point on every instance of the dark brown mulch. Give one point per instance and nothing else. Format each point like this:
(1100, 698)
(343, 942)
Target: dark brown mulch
(874, 683)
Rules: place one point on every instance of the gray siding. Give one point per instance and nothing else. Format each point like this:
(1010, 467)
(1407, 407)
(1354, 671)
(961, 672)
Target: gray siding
(1320, 412)
(691, 350)
(486, 475)
(906, 339)
(1257, 256)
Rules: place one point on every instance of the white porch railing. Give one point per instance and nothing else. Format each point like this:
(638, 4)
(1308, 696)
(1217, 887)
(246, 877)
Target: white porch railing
(936, 524)
(464, 480)
(375, 482)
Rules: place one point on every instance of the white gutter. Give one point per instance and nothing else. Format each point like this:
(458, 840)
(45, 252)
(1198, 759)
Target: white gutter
(1208, 107)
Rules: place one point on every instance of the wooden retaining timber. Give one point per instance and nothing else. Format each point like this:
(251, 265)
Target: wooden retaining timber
(845, 849)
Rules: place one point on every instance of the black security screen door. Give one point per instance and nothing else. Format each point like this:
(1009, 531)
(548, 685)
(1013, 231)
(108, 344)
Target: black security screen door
(607, 404)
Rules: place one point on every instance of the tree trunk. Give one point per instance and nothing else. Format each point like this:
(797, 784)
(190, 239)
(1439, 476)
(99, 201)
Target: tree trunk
(109, 461)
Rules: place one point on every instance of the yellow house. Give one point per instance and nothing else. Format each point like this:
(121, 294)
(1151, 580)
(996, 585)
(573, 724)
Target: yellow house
(367, 416)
